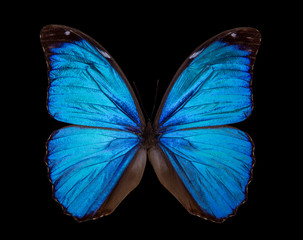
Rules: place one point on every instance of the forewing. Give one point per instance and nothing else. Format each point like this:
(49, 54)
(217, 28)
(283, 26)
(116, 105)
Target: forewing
(214, 165)
(93, 169)
(86, 86)
(213, 86)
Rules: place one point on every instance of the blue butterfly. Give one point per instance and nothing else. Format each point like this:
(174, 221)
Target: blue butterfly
(96, 162)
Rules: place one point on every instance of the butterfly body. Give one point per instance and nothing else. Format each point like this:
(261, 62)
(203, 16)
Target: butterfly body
(148, 136)
(96, 162)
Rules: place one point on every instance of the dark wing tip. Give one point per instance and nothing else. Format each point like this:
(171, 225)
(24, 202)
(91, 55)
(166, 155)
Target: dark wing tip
(54, 34)
(246, 37)
(247, 33)
(53, 28)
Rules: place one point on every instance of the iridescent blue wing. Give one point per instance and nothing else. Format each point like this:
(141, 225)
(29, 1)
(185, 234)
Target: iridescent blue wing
(95, 165)
(86, 86)
(213, 164)
(205, 165)
(213, 86)
(93, 169)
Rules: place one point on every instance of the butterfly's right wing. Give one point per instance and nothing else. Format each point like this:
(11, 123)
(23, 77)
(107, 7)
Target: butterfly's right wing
(213, 85)
(206, 169)
(93, 169)
(204, 164)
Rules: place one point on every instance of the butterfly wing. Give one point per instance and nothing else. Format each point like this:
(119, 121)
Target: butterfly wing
(93, 169)
(86, 86)
(213, 86)
(204, 164)
(214, 165)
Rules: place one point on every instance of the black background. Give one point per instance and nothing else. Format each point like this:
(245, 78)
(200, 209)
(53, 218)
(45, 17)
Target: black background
(148, 46)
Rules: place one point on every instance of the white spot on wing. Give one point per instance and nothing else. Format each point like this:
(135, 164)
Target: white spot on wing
(195, 54)
(67, 33)
(104, 54)
(233, 35)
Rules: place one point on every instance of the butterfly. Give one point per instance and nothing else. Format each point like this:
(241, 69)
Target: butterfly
(97, 161)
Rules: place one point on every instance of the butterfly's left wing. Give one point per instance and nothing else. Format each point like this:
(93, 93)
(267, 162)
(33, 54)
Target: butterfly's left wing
(93, 169)
(95, 165)
(86, 86)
